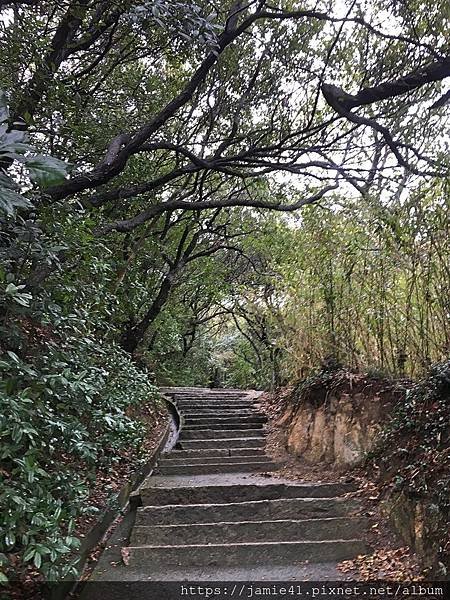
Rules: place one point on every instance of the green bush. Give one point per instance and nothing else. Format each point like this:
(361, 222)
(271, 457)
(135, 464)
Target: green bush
(62, 414)
(65, 387)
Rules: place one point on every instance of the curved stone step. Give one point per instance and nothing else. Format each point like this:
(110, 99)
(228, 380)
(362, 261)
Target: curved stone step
(224, 420)
(215, 426)
(244, 442)
(214, 452)
(239, 492)
(280, 530)
(267, 553)
(224, 414)
(220, 467)
(208, 394)
(184, 404)
(172, 460)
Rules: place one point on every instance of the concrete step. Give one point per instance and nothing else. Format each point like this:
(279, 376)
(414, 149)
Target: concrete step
(201, 405)
(232, 406)
(203, 460)
(198, 391)
(221, 414)
(208, 507)
(208, 395)
(222, 467)
(214, 401)
(248, 531)
(213, 494)
(225, 420)
(217, 425)
(214, 452)
(259, 510)
(244, 442)
(193, 434)
(257, 553)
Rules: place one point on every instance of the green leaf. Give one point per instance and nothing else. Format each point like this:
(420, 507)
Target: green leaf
(46, 171)
(19, 501)
(13, 356)
(29, 554)
(10, 200)
(3, 578)
(4, 112)
(7, 182)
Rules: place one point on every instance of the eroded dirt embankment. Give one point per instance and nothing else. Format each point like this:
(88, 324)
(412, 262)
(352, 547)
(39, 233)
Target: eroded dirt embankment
(391, 435)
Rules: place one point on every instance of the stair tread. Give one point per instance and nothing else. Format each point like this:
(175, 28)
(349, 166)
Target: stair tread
(234, 459)
(244, 462)
(265, 543)
(218, 505)
(329, 520)
(232, 439)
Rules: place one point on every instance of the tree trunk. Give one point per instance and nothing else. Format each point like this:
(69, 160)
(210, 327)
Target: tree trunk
(133, 335)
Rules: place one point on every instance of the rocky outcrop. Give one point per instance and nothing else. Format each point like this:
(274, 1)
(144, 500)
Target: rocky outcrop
(337, 426)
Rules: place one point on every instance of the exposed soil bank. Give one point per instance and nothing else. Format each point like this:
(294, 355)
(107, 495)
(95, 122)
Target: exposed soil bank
(362, 426)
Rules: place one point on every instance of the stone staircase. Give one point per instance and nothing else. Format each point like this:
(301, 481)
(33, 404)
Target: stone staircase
(221, 432)
(209, 512)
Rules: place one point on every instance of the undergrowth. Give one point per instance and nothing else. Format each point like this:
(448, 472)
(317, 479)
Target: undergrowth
(414, 446)
(63, 415)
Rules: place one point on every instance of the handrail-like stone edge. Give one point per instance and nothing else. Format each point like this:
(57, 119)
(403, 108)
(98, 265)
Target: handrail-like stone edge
(179, 419)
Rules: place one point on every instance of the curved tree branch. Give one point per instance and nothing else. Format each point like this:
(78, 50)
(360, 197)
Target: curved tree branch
(157, 209)
(339, 99)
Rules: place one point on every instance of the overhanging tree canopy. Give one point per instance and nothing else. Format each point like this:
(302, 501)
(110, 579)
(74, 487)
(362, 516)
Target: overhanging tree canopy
(205, 105)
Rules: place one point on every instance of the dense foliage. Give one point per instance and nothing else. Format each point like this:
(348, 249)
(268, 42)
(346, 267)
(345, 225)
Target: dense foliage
(63, 415)
(65, 390)
(368, 285)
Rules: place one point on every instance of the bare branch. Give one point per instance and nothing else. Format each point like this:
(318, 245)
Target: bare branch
(141, 218)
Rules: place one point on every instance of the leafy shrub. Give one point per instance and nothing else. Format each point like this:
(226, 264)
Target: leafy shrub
(62, 415)
(65, 388)
(42, 170)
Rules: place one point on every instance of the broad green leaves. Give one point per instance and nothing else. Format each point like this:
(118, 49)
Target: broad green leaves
(62, 416)
(187, 20)
(15, 152)
(17, 294)
(46, 171)
(10, 200)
